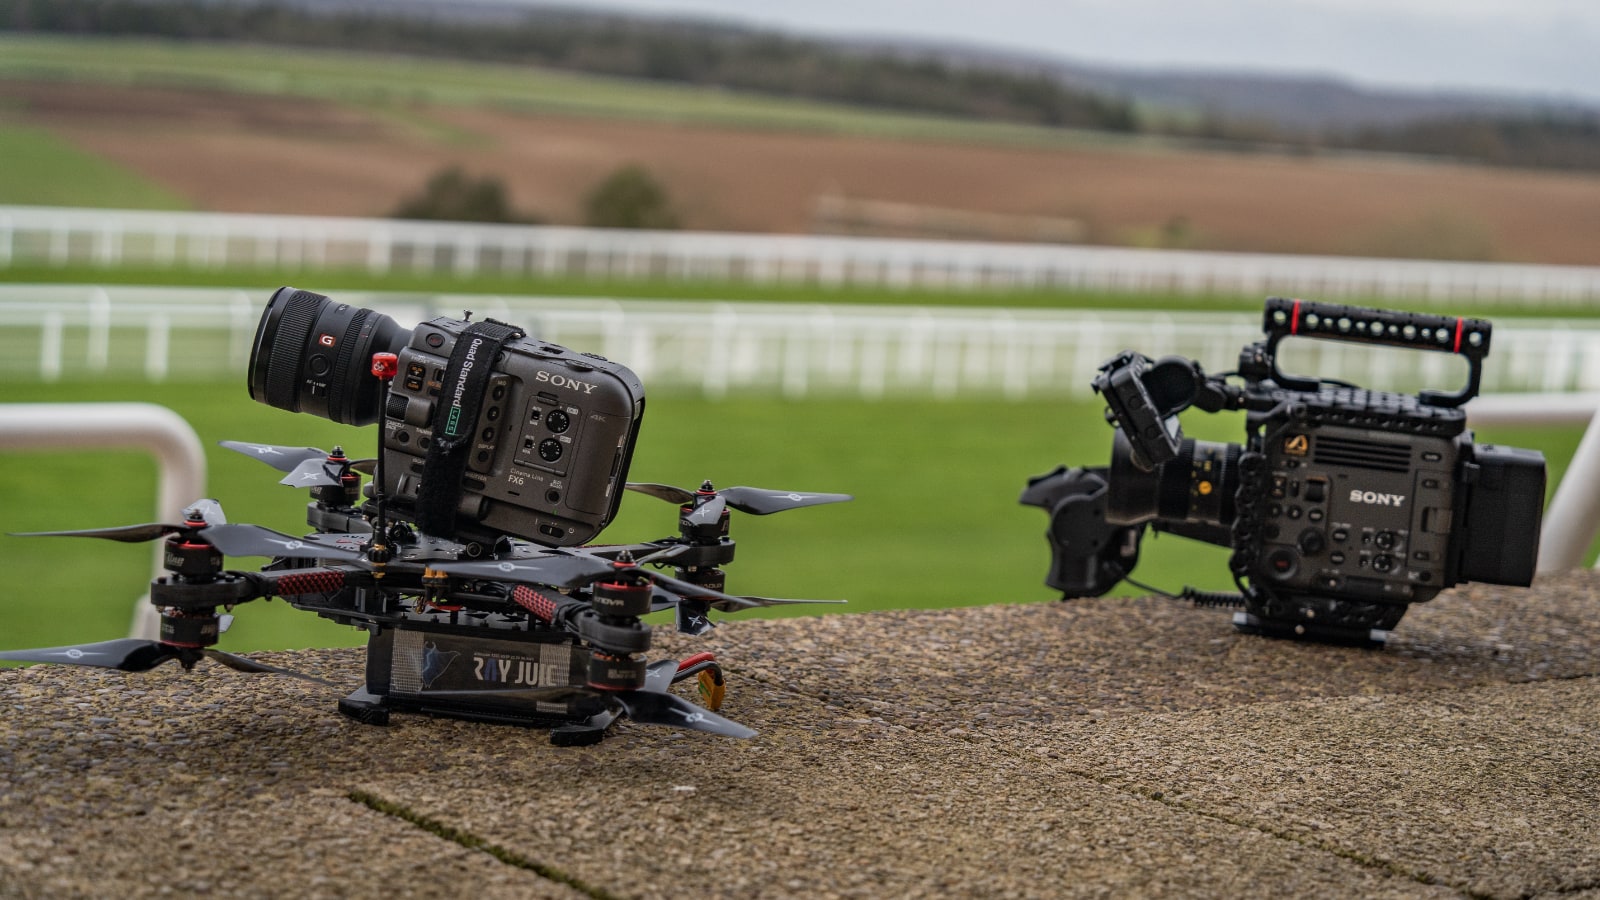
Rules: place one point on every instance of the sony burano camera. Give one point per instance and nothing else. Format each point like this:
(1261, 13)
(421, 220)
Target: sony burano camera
(486, 432)
(1342, 507)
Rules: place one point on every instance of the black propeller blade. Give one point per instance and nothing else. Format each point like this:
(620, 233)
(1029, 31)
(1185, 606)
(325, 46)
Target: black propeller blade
(756, 501)
(577, 570)
(254, 540)
(560, 571)
(201, 513)
(307, 466)
(284, 459)
(139, 655)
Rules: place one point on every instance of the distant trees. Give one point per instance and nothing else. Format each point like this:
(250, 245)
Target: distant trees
(629, 198)
(453, 195)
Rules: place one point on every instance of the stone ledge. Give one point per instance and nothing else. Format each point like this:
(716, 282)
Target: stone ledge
(1105, 746)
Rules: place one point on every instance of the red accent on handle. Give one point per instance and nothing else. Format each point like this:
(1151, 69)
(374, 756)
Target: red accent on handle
(1458, 335)
(1294, 322)
(385, 365)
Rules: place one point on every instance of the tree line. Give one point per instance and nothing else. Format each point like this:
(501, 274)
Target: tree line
(779, 65)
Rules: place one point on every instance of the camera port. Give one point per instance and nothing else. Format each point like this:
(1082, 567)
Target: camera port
(557, 421)
(552, 496)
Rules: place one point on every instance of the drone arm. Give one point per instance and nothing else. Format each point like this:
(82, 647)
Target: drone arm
(298, 582)
(579, 618)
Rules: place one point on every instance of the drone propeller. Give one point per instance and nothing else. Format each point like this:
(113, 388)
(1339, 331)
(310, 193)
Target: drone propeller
(577, 570)
(255, 540)
(201, 514)
(139, 655)
(756, 501)
(307, 466)
(230, 540)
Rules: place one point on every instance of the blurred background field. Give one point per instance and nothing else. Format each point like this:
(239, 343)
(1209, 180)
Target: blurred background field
(161, 121)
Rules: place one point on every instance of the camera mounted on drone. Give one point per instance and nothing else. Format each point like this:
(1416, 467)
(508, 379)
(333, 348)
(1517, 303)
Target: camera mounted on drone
(1342, 507)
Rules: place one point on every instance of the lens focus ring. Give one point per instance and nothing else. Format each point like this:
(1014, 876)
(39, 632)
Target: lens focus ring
(283, 365)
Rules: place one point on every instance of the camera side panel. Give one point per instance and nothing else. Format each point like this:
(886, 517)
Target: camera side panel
(551, 446)
(1357, 513)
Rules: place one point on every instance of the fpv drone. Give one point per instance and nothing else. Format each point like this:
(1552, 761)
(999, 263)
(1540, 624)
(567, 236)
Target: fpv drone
(505, 632)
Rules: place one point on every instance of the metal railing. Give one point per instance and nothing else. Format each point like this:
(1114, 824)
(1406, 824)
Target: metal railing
(59, 236)
(49, 332)
(180, 459)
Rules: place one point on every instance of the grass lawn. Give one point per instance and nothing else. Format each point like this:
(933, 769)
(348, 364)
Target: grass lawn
(40, 169)
(935, 522)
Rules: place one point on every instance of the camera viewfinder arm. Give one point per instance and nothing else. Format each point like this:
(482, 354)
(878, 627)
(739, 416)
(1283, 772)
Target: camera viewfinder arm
(1469, 338)
(1144, 399)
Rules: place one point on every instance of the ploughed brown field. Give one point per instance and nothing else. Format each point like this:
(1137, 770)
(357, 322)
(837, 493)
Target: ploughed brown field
(250, 153)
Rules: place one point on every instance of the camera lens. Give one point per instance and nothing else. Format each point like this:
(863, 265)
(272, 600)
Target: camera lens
(313, 355)
(1196, 486)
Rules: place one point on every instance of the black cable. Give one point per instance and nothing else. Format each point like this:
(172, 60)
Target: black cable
(1194, 595)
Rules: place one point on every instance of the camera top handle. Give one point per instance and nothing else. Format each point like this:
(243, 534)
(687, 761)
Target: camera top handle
(1285, 317)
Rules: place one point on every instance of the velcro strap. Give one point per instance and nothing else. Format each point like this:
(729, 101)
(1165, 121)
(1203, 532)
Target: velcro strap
(455, 418)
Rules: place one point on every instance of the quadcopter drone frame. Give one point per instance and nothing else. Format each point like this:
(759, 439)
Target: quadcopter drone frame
(508, 632)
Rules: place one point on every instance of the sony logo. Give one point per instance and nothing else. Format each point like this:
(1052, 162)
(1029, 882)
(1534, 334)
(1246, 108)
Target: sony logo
(564, 381)
(1376, 499)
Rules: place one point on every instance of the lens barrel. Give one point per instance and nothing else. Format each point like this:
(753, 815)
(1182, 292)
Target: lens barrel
(313, 355)
(1197, 485)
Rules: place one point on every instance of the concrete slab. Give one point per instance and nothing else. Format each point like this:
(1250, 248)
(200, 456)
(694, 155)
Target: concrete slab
(1127, 747)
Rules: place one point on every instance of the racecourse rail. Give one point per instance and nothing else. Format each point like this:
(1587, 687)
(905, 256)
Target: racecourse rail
(57, 236)
(53, 332)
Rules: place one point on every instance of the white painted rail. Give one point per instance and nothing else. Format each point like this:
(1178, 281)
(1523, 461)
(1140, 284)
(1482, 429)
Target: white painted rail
(50, 332)
(62, 236)
(180, 459)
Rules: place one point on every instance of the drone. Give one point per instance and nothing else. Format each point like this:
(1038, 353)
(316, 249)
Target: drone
(503, 631)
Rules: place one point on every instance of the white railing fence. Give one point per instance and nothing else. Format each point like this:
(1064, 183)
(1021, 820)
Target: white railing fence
(59, 236)
(180, 460)
(52, 332)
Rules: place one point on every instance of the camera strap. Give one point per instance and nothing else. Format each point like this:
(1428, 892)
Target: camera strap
(455, 421)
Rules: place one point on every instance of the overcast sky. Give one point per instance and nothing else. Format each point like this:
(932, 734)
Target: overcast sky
(1546, 47)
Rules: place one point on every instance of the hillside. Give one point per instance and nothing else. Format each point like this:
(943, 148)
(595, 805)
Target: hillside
(1297, 114)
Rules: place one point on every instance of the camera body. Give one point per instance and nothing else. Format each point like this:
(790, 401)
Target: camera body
(486, 433)
(1342, 507)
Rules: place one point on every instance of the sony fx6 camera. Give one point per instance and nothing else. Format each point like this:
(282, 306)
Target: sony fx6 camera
(1342, 507)
(486, 432)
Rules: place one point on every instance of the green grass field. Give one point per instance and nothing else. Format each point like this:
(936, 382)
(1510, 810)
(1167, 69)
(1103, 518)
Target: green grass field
(935, 522)
(383, 82)
(41, 169)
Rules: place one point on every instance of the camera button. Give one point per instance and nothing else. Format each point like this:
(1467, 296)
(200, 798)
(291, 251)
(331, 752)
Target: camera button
(434, 340)
(1294, 512)
(1315, 515)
